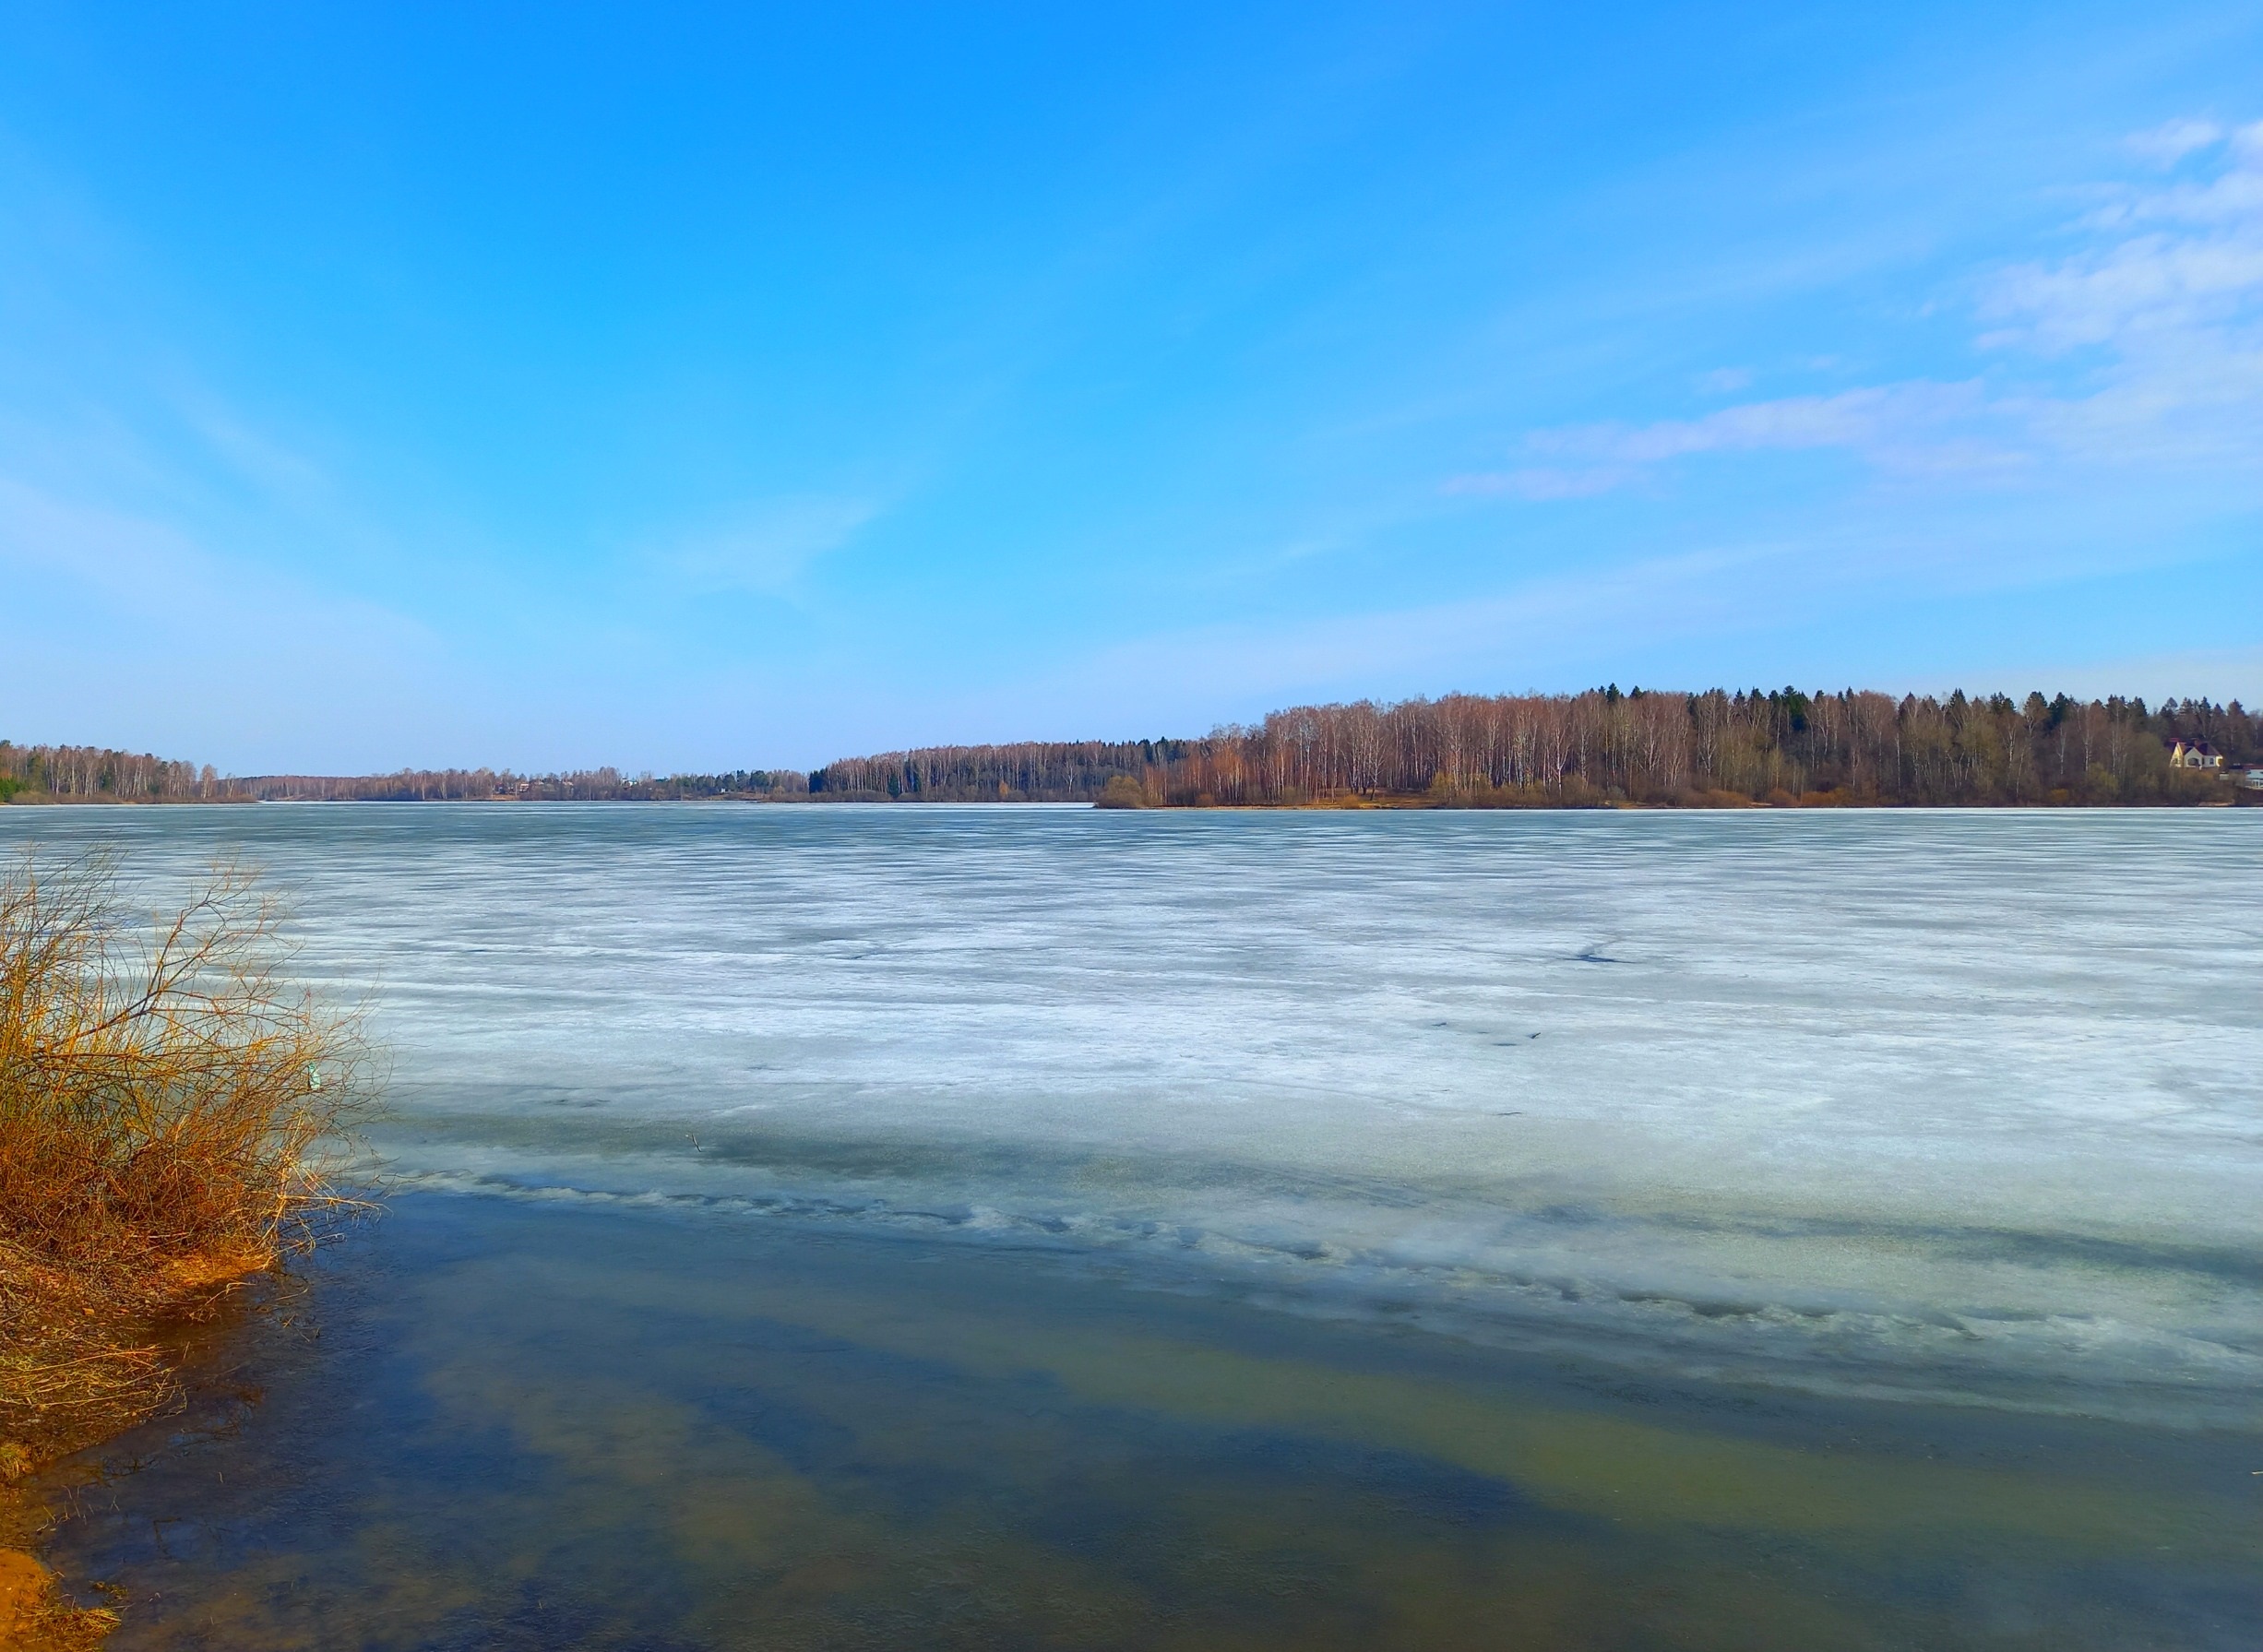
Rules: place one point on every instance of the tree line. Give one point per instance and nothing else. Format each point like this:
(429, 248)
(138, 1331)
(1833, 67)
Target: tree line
(1027, 772)
(484, 784)
(1713, 749)
(1716, 748)
(93, 774)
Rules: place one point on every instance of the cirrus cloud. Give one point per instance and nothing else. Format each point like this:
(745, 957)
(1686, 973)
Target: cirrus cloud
(2142, 346)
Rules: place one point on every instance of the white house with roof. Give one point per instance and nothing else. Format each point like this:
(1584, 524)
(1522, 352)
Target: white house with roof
(2194, 753)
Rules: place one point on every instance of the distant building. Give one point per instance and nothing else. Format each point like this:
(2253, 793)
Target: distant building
(2194, 753)
(2252, 776)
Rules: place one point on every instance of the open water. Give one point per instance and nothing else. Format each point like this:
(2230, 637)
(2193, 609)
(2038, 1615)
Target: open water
(841, 1227)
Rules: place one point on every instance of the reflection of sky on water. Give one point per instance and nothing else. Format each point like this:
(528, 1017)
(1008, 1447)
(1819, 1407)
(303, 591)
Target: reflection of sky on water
(533, 1426)
(1918, 1103)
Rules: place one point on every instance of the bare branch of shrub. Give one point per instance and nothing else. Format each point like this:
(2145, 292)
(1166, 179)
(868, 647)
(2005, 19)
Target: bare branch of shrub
(172, 1114)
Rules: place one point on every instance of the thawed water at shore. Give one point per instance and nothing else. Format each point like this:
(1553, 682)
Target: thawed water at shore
(1927, 1135)
(530, 1426)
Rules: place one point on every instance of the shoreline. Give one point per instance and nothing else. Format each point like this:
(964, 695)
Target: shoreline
(35, 1609)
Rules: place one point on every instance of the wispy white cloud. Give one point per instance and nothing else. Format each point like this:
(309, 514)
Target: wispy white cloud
(2131, 296)
(2170, 142)
(1878, 420)
(767, 546)
(1547, 482)
(1921, 427)
(2160, 316)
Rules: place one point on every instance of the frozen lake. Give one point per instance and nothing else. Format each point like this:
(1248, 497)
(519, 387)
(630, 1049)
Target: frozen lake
(1949, 1116)
(1950, 1102)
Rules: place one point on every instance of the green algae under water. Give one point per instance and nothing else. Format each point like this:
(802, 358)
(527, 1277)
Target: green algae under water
(528, 1424)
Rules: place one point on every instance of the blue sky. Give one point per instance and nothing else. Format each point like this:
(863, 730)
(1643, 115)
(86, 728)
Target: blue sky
(700, 388)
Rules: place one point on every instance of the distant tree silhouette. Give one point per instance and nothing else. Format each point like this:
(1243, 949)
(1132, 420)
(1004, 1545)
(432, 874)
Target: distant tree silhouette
(1715, 748)
(1712, 749)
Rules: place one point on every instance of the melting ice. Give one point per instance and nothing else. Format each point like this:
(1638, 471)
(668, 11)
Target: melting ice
(1930, 1103)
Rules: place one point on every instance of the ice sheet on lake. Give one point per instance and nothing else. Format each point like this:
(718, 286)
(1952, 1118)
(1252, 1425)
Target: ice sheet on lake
(1900, 1102)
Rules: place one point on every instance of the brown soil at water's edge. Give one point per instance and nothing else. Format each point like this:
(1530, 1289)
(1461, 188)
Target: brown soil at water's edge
(25, 1586)
(99, 1334)
(34, 1613)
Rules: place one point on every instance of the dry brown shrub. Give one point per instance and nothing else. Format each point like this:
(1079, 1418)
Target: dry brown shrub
(172, 1110)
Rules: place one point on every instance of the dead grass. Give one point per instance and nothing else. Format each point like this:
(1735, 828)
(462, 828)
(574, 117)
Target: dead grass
(169, 1108)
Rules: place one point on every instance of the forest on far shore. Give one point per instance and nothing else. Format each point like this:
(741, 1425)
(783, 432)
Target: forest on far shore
(1600, 747)
(1715, 749)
